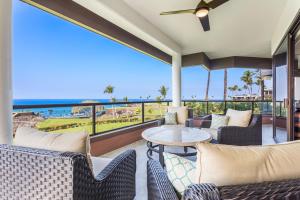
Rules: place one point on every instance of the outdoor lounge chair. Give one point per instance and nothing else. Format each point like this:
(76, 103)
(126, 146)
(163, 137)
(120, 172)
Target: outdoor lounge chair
(233, 135)
(33, 174)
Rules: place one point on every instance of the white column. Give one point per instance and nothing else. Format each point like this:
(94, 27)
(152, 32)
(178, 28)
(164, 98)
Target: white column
(176, 80)
(5, 72)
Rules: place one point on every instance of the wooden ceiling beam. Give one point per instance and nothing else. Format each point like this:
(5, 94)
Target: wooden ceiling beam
(227, 62)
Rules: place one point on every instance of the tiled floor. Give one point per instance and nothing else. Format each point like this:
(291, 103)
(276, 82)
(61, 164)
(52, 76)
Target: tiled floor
(140, 147)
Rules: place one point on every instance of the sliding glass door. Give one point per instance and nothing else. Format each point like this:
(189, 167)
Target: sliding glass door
(296, 99)
(280, 96)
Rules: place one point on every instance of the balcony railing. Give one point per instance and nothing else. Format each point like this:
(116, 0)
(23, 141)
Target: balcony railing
(99, 118)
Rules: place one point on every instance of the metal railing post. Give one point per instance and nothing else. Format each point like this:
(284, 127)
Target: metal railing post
(252, 106)
(225, 107)
(93, 119)
(143, 112)
(206, 107)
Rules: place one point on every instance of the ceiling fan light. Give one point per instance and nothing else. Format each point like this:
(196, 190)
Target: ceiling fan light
(202, 12)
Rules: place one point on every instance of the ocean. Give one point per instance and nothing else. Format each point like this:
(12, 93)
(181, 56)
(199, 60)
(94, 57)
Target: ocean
(55, 112)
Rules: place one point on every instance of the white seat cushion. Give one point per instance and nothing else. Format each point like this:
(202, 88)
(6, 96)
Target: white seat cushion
(212, 132)
(234, 165)
(73, 142)
(182, 113)
(99, 163)
(239, 118)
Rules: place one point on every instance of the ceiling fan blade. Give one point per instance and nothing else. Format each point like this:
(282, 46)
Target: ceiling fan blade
(215, 3)
(205, 23)
(178, 12)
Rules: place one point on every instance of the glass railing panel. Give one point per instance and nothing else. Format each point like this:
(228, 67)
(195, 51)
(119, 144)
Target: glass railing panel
(154, 111)
(199, 108)
(239, 105)
(280, 110)
(115, 116)
(216, 107)
(55, 120)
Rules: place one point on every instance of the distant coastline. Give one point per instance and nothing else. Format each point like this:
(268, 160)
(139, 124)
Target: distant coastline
(60, 101)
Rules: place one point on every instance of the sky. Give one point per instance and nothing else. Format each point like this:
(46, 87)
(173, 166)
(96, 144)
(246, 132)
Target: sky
(55, 59)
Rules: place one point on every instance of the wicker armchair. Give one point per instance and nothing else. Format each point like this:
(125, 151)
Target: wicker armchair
(160, 188)
(32, 174)
(233, 135)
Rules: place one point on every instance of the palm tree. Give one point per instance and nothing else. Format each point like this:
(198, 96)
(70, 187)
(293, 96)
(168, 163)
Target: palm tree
(234, 88)
(163, 92)
(110, 90)
(260, 83)
(225, 84)
(247, 78)
(207, 86)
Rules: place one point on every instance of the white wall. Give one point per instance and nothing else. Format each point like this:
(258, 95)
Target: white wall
(289, 13)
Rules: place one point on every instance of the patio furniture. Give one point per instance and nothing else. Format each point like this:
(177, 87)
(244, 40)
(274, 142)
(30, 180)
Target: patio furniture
(187, 119)
(173, 136)
(27, 173)
(160, 188)
(234, 135)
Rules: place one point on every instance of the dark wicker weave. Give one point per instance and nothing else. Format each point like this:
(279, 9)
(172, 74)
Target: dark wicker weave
(233, 135)
(160, 188)
(32, 174)
(188, 122)
(158, 184)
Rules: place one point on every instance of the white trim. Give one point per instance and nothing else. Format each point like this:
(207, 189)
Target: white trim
(5, 72)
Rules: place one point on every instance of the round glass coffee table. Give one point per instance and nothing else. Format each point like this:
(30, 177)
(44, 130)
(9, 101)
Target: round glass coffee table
(159, 137)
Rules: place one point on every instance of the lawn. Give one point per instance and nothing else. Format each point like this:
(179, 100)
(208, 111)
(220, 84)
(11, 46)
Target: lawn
(105, 123)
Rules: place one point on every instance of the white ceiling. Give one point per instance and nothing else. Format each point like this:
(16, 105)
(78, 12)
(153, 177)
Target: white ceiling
(238, 27)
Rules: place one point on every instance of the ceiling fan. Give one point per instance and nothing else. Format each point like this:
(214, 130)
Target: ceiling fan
(201, 11)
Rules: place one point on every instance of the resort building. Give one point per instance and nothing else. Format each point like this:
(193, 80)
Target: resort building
(242, 146)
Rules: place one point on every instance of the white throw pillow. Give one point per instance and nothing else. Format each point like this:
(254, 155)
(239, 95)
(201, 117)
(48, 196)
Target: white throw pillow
(219, 121)
(239, 118)
(182, 113)
(72, 142)
(180, 171)
(234, 165)
(171, 118)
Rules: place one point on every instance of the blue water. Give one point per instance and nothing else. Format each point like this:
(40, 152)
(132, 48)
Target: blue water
(55, 112)
(52, 101)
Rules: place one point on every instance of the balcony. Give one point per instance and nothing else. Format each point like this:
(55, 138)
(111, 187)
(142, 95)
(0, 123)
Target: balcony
(109, 120)
(232, 37)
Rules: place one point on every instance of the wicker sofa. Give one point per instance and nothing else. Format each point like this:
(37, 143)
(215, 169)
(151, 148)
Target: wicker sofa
(160, 188)
(32, 174)
(233, 135)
